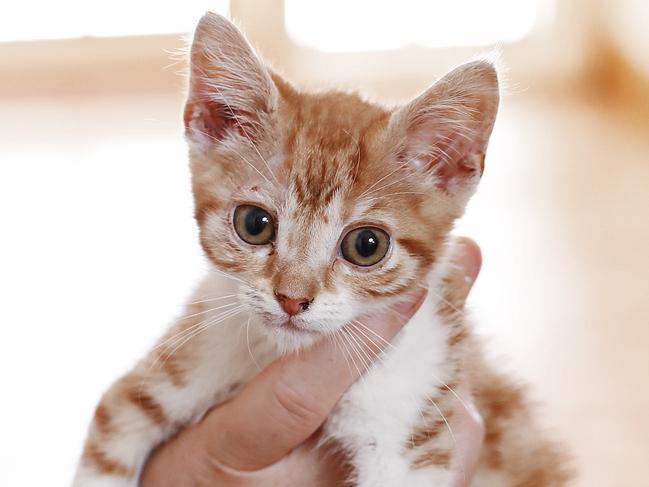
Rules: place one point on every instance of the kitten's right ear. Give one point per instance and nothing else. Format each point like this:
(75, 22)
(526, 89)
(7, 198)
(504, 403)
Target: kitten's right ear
(445, 130)
(231, 92)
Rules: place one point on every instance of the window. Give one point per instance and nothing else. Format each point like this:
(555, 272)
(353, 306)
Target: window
(364, 25)
(60, 19)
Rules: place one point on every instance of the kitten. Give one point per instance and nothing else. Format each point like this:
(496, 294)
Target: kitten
(376, 191)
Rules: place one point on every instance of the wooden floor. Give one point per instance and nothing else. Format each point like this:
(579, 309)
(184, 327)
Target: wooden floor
(99, 250)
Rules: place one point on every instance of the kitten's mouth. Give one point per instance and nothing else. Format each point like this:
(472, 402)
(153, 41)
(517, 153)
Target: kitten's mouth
(289, 324)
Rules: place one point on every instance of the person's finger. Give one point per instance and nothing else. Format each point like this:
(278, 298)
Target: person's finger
(468, 257)
(462, 273)
(290, 399)
(470, 431)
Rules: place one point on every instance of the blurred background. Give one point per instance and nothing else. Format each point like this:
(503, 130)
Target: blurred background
(98, 247)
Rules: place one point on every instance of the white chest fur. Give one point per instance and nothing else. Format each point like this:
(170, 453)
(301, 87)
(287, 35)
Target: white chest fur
(375, 418)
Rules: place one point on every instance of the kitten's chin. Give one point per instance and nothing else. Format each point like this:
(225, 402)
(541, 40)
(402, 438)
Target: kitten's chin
(289, 334)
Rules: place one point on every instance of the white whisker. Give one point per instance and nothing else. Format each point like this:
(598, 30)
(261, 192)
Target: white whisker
(212, 299)
(214, 139)
(198, 313)
(228, 314)
(390, 184)
(346, 339)
(451, 305)
(226, 275)
(245, 133)
(450, 430)
(186, 330)
(180, 336)
(184, 338)
(343, 350)
(383, 340)
(399, 167)
(363, 355)
(248, 344)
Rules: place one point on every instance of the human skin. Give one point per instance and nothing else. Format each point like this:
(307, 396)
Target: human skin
(266, 435)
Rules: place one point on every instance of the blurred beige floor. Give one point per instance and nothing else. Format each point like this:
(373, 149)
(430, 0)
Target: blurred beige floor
(100, 250)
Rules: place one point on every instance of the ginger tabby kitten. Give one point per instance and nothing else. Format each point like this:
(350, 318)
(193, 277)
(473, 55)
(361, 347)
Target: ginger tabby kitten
(313, 209)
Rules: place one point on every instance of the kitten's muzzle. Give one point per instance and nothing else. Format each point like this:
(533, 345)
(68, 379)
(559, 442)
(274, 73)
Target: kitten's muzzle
(293, 306)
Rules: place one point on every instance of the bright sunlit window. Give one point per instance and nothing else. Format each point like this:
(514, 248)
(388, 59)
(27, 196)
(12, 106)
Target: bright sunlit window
(371, 25)
(60, 19)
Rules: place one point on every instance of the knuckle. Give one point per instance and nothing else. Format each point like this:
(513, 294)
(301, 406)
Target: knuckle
(297, 409)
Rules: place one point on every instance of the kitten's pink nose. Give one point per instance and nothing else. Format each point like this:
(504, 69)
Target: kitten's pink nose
(293, 306)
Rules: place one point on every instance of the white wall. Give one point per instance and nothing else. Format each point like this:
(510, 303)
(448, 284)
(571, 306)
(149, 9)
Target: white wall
(627, 24)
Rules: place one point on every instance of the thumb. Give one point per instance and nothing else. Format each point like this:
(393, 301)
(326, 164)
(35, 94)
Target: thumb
(287, 402)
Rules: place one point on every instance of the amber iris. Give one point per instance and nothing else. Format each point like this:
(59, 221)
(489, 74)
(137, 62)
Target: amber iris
(365, 246)
(254, 225)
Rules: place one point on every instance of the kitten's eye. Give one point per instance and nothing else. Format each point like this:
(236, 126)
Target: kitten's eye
(253, 224)
(365, 246)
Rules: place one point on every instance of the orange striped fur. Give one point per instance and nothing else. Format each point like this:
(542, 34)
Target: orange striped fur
(320, 166)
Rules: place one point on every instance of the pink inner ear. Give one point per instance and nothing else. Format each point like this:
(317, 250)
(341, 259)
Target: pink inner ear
(211, 119)
(447, 128)
(452, 158)
(450, 173)
(204, 118)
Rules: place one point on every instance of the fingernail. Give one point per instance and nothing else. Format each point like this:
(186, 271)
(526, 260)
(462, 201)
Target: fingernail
(469, 279)
(468, 258)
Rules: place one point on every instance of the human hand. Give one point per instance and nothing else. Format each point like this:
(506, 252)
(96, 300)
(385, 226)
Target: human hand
(265, 435)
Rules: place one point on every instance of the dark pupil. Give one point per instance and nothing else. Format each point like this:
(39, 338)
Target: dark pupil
(256, 221)
(366, 243)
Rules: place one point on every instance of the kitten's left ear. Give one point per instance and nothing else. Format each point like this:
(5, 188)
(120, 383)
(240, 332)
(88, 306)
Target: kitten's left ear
(445, 130)
(230, 90)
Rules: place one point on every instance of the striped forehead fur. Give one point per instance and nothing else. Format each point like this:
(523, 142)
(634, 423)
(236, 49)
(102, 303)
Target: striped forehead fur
(322, 164)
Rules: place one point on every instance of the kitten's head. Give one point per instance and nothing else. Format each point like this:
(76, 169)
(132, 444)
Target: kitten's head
(326, 206)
